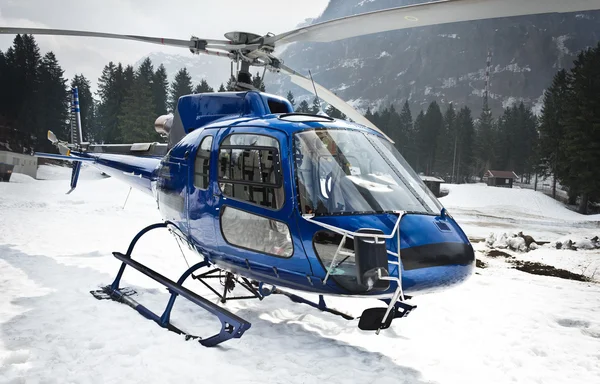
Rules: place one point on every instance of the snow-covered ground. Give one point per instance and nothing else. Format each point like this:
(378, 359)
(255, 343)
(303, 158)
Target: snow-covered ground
(502, 326)
(481, 209)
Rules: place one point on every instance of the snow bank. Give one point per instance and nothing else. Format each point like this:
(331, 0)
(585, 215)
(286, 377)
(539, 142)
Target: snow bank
(21, 178)
(481, 209)
(523, 202)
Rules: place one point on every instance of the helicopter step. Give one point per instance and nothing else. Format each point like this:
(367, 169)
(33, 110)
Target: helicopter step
(232, 326)
(375, 319)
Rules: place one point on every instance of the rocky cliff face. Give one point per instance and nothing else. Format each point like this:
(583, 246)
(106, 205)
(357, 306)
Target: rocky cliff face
(446, 63)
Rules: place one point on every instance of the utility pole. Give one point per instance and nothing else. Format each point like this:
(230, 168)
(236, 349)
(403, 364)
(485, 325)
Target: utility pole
(488, 69)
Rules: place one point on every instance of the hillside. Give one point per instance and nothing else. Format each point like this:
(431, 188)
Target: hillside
(445, 63)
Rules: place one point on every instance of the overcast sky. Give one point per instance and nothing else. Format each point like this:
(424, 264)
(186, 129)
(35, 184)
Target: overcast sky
(159, 18)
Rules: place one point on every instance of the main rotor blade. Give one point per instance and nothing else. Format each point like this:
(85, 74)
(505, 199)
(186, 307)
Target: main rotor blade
(191, 44)
(330, 98)
(419, 15)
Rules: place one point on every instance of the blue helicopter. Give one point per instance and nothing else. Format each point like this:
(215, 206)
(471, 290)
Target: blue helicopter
(275, 199)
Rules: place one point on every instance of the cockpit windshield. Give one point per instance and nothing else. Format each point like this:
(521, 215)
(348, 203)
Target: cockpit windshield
(353, 172)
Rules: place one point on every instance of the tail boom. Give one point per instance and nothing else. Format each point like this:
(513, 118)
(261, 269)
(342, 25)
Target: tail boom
(137, 172)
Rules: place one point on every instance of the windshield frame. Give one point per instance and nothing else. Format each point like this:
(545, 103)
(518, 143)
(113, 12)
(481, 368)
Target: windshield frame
(427, 208)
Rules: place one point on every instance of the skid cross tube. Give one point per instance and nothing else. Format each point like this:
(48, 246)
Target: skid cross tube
(232, 326)
(230, 280)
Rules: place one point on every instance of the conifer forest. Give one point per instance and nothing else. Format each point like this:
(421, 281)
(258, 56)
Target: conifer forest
(450, 141)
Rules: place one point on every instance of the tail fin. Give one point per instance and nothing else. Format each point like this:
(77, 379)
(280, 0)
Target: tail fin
(76, 134)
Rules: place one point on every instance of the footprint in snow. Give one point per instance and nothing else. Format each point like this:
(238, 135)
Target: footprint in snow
(570, 323)
(17, 357)
(584, 326)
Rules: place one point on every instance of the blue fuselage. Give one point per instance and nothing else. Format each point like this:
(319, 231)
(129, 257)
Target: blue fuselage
(231, 186)
(435, 252)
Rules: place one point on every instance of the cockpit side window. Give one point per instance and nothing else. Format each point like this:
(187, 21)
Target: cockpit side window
(202, 164)
(250, 170)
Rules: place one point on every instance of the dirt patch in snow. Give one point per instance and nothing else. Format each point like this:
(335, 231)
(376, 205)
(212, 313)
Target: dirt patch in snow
(547, 270)
(498, 253)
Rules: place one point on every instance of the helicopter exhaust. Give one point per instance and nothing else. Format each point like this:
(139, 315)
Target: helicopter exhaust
(163, 124)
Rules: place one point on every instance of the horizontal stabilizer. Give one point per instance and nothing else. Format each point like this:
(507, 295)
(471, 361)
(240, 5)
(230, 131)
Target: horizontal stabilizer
(61, 157)
(136, 149)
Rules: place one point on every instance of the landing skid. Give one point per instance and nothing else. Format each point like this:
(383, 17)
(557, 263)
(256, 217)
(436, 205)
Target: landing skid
(232, 326)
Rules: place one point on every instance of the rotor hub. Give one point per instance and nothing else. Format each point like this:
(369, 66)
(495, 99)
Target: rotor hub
(242, 37)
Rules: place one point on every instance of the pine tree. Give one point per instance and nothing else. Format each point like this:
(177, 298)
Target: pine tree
(4, 84)
(128, 79)
(110, 92)
(447, 141)
(222, 88)
(332, 111)
(430, 128)
(160, 87)
(182, 85)
(146, 71)
(516, 138)
(203, 87)
(418, 128)
(303, 107)
(552, 133)
(258, 82)
(397, 131)
(464, 160)
(369, 115)
(527, 142)
(290, 97)
(582, 128)
(231, 84)
(86, 107)
(407, 148)
(24, 59)
(505, 147)
(136, 121)
(316, 106)
(53, 101)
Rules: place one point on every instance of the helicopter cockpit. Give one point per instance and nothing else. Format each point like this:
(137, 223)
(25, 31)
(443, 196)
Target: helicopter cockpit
(345, 172)
(354, 173)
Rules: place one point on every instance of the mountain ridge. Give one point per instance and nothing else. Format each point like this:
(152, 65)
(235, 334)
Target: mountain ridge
(446, 63)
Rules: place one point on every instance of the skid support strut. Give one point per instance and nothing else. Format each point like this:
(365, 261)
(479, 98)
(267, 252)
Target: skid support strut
(232, 326)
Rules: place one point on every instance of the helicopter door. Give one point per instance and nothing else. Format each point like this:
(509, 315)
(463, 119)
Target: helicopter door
(201, 203)
(255, 201)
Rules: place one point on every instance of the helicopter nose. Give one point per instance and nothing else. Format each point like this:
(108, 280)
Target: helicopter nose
(436, 254)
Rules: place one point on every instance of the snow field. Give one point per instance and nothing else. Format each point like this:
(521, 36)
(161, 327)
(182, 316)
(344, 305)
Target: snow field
(502, 326)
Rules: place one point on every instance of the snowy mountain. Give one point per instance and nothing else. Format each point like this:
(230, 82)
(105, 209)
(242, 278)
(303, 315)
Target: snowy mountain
(444, 63)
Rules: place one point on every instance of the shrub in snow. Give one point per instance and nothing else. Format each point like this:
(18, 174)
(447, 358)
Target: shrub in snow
(501, 242)
(584, 244)
(518, 244)
(489, 241)
(574, 243)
